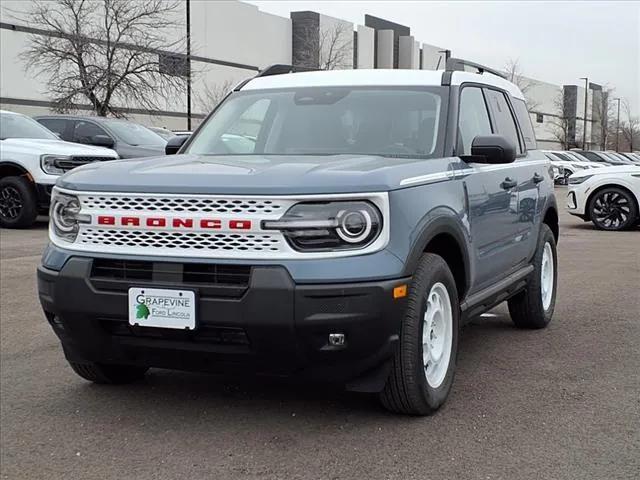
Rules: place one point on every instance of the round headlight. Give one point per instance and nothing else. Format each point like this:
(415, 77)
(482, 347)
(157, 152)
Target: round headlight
(354, 226)
(65, 215)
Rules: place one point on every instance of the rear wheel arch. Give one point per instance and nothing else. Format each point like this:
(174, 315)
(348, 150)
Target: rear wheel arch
(551, 220)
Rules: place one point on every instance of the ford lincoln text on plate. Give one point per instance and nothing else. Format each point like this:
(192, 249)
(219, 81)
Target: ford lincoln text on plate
(332, 226)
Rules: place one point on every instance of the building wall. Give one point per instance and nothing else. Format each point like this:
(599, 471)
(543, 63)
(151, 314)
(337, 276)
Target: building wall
(231, 41)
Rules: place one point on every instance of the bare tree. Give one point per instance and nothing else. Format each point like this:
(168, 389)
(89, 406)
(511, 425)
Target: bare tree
(331, 48)
(213, 94)
(629, 130)
(514, 74)
(109, 52)
(560, 124)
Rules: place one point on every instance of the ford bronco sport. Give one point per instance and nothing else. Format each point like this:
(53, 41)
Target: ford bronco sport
(333, 226)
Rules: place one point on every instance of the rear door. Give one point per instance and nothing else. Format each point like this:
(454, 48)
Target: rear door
(527, 170)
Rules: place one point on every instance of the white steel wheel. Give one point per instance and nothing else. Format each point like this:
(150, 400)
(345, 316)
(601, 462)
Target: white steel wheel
(547, 276)
(437, 335)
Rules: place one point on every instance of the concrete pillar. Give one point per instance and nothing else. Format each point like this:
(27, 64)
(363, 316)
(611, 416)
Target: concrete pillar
(405, 52)
(366, 47)
(385, 49)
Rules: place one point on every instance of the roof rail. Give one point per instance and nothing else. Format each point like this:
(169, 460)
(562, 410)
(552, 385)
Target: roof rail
(458, 64)
(277, 69)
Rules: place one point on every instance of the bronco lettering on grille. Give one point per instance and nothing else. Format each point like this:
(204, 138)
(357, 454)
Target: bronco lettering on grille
(160, 222)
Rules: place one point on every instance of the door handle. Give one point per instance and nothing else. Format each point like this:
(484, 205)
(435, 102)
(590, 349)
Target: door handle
(508, 183)
(537, 178)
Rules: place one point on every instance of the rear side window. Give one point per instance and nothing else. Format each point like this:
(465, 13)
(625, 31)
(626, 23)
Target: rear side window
(473, 119)
(504, 122)
(56, 125)
(524, 119)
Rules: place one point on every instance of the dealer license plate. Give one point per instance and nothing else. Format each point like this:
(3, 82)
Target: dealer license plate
(162, 308)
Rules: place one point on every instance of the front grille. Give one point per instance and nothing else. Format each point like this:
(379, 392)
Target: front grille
(145, 240)
(175, 204)
(211, 280)
(78, 161)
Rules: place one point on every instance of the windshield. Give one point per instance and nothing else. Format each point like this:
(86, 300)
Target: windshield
(134, 133)
(13, 125)
(394, 122)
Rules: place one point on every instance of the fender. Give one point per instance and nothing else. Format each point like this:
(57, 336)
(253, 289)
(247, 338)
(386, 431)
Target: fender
(550, 204)
(436, 225)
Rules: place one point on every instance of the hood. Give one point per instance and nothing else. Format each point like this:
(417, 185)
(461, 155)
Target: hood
(41, 146)
(615, 169)
(251, 174)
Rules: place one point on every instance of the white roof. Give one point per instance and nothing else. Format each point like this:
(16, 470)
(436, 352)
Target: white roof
(377, 77)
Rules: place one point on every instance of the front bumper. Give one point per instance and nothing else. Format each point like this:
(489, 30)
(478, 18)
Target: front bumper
(273, 326)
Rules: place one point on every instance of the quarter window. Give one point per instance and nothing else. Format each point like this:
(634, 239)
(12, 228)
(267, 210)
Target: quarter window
(504, 121)
(473, 118)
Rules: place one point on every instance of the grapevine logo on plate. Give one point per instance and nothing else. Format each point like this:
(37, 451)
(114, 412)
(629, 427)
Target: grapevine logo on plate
(164, 308)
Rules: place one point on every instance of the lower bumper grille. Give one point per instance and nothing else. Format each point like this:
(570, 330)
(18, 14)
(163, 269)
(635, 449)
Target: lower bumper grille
(203, 334)
(211, 280)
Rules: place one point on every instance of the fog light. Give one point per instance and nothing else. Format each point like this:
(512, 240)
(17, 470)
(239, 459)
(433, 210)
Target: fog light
(337, 339)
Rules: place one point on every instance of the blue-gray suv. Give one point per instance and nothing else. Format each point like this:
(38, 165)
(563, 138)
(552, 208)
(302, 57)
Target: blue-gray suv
(326, 226)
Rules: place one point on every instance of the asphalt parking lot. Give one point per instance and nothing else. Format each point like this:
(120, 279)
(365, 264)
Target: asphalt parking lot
(562, 403)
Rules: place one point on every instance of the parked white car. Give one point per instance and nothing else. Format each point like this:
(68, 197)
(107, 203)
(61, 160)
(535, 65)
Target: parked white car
(31, 160)
(608, 197)
(567, 164)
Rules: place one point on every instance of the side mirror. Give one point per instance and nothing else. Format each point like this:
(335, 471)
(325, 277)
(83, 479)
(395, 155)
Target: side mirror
(102, 141)
(492, 149)
(174, 144)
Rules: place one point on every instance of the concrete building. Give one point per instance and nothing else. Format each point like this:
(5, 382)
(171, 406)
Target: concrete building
(232, 40)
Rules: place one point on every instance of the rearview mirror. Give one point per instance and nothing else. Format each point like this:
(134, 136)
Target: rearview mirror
(102, 141)
(492, 149)
(174, 144)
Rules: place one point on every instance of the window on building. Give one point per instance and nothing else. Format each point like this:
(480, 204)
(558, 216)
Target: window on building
(473, 119)
(176, 65)
(539, 118)
(522, 114)
(504, 122)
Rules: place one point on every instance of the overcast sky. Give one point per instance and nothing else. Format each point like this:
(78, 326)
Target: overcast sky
(554, 41)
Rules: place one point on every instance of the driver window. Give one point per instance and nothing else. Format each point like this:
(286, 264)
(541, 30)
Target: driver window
(473, 119)
(83, 132)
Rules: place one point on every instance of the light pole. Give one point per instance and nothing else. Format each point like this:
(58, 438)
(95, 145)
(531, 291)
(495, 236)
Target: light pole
(188, 64)
(618, 127)
(584, 125)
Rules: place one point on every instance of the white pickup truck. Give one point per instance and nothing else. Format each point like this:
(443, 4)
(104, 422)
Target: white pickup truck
(31, 160)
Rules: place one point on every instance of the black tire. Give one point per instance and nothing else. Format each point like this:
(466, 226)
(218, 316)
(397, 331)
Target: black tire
(618, 203)
(108, 374)
(526, 308)
(407, 390)
(18, 205)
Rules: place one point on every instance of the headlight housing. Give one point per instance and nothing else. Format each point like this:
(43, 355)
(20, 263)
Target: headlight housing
(328, 226)
(578, 180)
(65, 216)
(50, 164)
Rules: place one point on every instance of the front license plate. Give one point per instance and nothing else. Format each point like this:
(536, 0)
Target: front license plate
(163, 308)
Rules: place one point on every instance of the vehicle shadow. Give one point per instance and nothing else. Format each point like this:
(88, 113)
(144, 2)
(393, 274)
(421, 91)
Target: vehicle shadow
(191, 397)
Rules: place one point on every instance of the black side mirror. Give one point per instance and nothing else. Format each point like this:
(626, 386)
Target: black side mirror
(492, 149)
(174, 144)
(102, 141)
